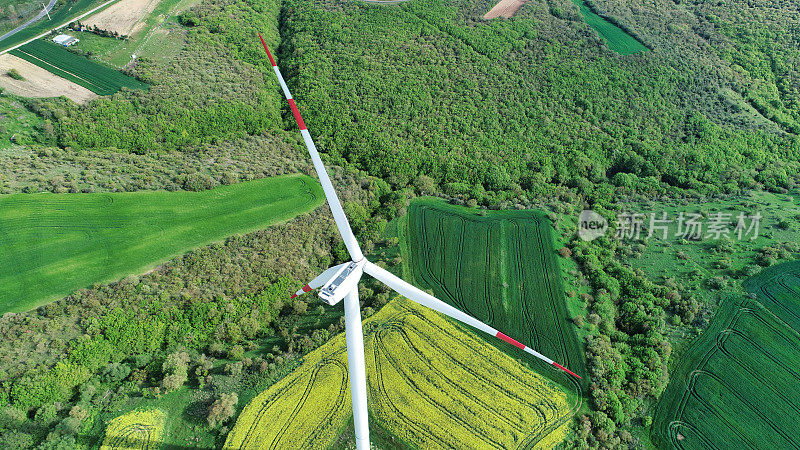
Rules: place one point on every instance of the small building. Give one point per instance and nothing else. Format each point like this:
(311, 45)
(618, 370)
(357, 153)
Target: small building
(65, 40)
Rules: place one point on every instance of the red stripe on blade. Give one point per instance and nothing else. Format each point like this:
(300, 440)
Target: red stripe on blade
(566, 370)
(267, 49)
(510, 340)
(306, 288)
(293, 296)
(296, 113)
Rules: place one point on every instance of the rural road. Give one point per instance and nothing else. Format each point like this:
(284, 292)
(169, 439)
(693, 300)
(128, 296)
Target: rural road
(58, 27)
(34, 19)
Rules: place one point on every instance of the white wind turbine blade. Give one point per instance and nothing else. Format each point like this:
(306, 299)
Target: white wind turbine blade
(413, 293)
(319, 280)
(333, 200)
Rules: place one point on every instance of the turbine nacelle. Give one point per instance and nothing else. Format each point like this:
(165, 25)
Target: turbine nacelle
(336, 281)
(343, 281)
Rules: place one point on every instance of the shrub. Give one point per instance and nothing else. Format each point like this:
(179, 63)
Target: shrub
(13, 73)
(236, 352)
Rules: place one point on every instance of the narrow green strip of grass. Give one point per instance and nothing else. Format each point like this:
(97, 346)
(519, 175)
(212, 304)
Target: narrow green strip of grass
(617, 39)
(54, 244)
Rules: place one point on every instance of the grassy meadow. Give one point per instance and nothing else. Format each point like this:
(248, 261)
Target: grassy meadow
(18, 125)
(57, 243)
(431, 385)
(738, 385)
(694, 263)
(498, 266)
(160, 38)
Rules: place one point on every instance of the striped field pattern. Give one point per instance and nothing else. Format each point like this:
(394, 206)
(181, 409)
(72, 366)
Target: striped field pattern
(498, 266)
(431, 385)
(96, 77)
(738, 386)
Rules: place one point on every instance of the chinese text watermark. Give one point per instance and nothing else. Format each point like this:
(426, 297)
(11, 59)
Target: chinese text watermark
(694, 226)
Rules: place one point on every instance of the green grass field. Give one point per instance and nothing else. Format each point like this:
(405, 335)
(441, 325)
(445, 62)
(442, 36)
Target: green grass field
(739, 384)
(498, 266)
(53, 244)
(617, 39)
(96, 77)
(694, 262)
(17, 122)
(431, 385)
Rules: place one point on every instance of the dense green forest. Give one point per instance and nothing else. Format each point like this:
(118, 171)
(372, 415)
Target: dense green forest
(420, 98)
(491, 110)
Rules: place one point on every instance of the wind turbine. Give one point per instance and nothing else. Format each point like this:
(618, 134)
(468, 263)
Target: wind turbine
(341, 282)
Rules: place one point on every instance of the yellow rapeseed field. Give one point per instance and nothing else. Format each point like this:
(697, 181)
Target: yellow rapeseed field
(431, 384)
(135, 430)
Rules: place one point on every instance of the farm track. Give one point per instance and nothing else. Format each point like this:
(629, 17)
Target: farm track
(474, 348)
(395, 364)
(425, 360)
(457, 362)
(141, 435)
(673, 433)
(742, 398)
(723, 338)
(339, 400)
(252, 438)
(720, 340)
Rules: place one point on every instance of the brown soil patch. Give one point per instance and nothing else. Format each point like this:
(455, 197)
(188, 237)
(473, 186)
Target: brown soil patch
(126, 17)
(39, 82)
(505, 9)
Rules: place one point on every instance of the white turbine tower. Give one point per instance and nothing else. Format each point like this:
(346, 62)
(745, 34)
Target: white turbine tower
(341, 282)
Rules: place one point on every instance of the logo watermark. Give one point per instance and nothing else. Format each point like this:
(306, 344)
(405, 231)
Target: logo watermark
(591, 225)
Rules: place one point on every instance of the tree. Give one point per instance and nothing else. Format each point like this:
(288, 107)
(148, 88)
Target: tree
(425, 185)
(176, 370)
(300, 307)
(116, 372)
(222, 409)
(16, 439)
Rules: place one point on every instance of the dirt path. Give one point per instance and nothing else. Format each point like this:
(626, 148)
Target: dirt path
(126, 17)
(505, 9)
(39, 82)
